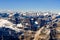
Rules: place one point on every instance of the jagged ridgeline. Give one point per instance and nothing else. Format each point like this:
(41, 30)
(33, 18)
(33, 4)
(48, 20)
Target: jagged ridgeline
(29, 26)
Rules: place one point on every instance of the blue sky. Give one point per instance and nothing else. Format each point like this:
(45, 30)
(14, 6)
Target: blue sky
(41, 5)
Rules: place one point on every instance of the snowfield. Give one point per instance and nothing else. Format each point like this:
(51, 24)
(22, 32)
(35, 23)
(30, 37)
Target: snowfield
(7, 24)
